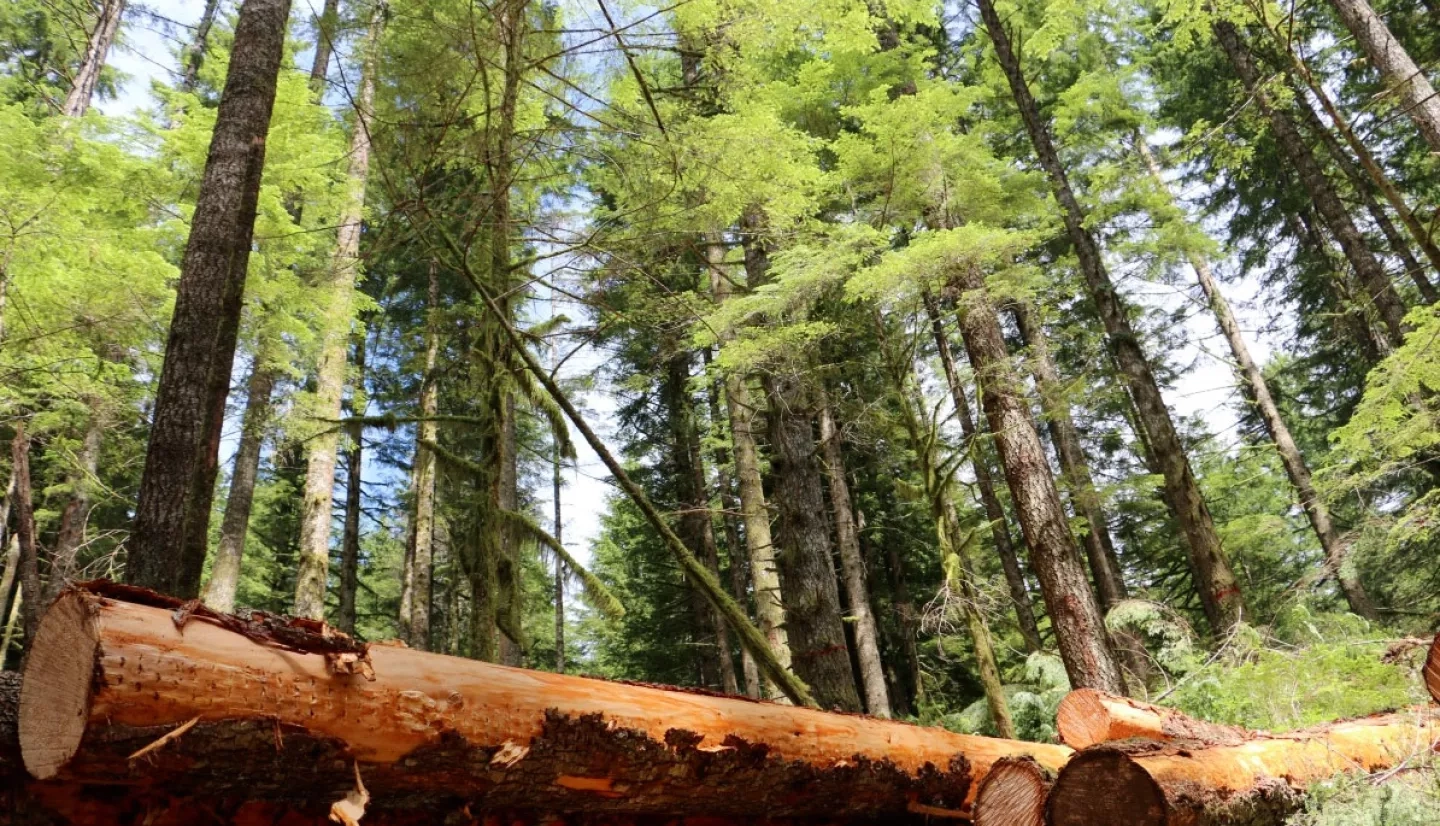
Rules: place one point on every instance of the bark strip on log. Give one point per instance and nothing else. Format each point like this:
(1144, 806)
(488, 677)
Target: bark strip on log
(1256, 783)
(108, 676)
(1087, 717)
(1014, 793)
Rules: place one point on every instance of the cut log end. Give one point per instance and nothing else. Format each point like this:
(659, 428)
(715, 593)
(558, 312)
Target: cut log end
(1013, 794)
(58, 680)
(1432, 670)
(1102, 786)
(1083, 719)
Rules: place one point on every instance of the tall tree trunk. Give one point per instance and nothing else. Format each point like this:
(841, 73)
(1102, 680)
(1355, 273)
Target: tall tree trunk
(172, 516)
(819, 652)
(1079, 628)
(199, 46)
(1337, 550)
(76, 514)
(1219, 590)
(1371, 343)
(319, 492)
(730, 510)
(908, 620)
(327, 27)
(29, 565)
(354, 480)
(1402, 76)
(852, 564)
(765, 575)
(1374, 176)
(225, 570)
(985, 484)
(558, 525)
(1099, 546)
(1322, 192)
(82, 91)
(420, 553)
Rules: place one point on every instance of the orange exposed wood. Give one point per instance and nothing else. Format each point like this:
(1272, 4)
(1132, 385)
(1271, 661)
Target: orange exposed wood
(107, 677)
(1087, 717)
(1254, 783)
(1014, 794)
(1432, 669)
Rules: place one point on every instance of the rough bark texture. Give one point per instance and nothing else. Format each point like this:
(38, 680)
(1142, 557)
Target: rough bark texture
(1099, 547)
(172, 516)
(1079, 627)
(852, 564)
(985, 485)
(1402, 76)
(279, 720)
(1014, 793)
(420, 554)
(76, 514)
(1337, 550)
(907, 618)
(765, 576)
(29, 598)
(354, 480)
(235, 526)
(199, 46)
(1258, 782)
(1087, 717)
(1216, 583)
(318, 497)
(1322, 191)
(82, 90)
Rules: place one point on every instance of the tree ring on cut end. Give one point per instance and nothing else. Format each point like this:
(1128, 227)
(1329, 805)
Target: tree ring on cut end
(1105, 786)
(1082, 719)
(1012, 794)
(57, 684)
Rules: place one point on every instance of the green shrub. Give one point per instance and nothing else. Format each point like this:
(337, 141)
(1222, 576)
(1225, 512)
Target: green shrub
(1413, 800)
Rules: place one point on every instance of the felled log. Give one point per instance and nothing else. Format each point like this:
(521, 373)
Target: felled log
(1013, 793)
(1432, 669)
(284, 712)
(1256, 782)
(1087, 717)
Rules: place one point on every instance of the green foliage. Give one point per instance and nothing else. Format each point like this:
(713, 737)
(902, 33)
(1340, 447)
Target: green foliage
(1410, 799)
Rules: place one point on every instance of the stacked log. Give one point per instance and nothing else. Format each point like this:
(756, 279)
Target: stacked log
(1087, 717)
(230, 709)
(1220, 776)
(1014, 793)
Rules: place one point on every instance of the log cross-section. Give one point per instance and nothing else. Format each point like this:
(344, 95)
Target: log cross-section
(108, 676)
(1087, 717)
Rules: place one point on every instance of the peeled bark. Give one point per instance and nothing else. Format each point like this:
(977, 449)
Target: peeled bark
(1255, 783)
(1322, 192)
(1079, 627)
(1014, 793)
(769, 610)
(420, 555)
(167, 545)
(235, 527)
(985, 485)
(847, 540)
(1219, 590)
(1402, 76)
(82, 90)
(1337, 550)
(317, 499)
(113, 673)
(1087, 717)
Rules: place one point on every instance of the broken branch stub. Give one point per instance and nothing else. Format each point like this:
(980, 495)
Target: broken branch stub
(108, 676)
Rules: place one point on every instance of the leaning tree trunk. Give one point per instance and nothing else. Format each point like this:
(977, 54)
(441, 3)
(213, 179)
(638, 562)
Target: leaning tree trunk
(420, 555)
(271, 707)
(82, 90)
(200, 352)
(354, 481)
(1402, 76)
(316, 501)
(1337, 550)
(765, 575)
(847, 541)
(1322, 192)
(235, 526)
(985, 485)
(1219, 590)
(199, 46)
(1079, 627)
